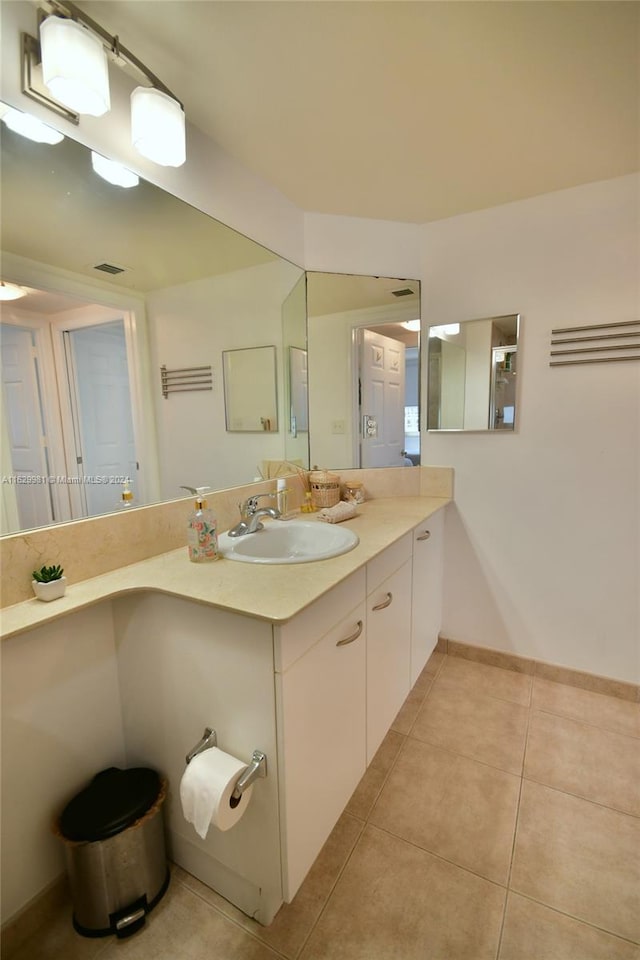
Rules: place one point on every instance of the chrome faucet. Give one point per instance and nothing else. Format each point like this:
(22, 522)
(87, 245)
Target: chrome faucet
(249, 511)
(255, 524)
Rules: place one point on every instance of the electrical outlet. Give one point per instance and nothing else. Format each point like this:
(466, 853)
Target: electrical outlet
(337, 426)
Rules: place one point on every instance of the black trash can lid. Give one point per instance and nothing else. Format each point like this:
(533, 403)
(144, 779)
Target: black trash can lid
(112, 802)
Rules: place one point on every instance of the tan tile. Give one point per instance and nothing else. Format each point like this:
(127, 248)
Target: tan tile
(184, 926)
(424, 681)
(294, 921)
(579, 858)
(460, 809)
(394, 900)
(610, 713)
(473, 677)
(483, 728)
(433, 664)
(366, 793)
(533, 932)
(585, 760)
(54, 940)
(409, 711)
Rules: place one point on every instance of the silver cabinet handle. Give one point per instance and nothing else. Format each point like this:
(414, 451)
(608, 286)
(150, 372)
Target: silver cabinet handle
(383, 603)
(424, 536)
(354, 636)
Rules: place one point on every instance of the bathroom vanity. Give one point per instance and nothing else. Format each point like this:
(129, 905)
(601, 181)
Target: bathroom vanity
(309, 663)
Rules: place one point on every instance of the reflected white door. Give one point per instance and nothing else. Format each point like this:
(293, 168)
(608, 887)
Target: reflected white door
(101, 402)
(382, 375)
(24, 425)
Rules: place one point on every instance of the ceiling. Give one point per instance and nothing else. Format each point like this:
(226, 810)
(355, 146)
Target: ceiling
(408, 111)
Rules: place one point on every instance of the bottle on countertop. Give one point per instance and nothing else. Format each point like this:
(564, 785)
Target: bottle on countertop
(282, 497)
(126, 497)
(202, 536)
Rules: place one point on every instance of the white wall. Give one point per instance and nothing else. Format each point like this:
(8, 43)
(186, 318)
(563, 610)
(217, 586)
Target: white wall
(542, 545)
(61, 724)
(190, 325)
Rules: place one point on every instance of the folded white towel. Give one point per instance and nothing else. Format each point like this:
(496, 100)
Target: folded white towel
(336, 514)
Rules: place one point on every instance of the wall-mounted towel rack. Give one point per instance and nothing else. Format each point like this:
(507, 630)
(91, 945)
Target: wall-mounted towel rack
(185, 379)
(605, 343)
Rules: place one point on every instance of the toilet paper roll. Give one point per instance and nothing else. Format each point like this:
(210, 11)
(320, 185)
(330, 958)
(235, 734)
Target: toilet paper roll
(206, 788)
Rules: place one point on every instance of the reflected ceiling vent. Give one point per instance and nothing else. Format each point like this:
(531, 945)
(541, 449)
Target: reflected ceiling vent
(404, 292)
(109, 268)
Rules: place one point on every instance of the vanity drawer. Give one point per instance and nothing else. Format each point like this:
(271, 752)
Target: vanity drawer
(293, 639)
(388, 562)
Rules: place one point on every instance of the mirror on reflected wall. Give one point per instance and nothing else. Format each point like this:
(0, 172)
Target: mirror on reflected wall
(117, 283)
(363, 370)
(472, 367)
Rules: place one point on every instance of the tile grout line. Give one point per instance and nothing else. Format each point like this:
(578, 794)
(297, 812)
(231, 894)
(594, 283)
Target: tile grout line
(587, 723)
(330, 894)
(364, 823)
(571, 916)
(516, 826)
(578, 796)
(225, 916)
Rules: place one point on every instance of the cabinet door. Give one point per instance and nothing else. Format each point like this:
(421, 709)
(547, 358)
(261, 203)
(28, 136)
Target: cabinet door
(388, 654)
(321, 736)
(426, 607)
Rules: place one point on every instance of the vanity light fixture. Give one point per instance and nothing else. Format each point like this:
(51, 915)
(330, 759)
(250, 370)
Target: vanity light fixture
(413, 325)
(71, 60)
(28, 126)
(11, 291)
(113, 172)
(74, 66)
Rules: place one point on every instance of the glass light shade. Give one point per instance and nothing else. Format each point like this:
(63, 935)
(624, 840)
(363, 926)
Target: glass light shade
(446, 330)
(113, 172)
(74, 66)
(158, 127)
(11, 291)
(30, 127)
(413, 325)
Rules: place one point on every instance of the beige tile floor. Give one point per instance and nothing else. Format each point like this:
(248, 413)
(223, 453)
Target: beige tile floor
(498, 820)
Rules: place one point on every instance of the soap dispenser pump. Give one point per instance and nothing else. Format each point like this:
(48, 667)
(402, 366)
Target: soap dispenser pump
(202, 537)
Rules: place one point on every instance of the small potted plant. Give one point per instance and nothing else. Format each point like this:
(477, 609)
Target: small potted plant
(49, 583)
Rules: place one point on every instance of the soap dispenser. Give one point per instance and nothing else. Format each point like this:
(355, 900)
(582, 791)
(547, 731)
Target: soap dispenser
(202, 537)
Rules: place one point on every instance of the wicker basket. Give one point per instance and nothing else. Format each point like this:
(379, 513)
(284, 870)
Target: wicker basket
(325, 488)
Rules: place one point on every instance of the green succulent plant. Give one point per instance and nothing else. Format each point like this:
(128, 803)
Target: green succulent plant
(46, 574)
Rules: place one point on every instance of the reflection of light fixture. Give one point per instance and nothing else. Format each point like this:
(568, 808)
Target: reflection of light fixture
(113, 172)
(73, 52)
(411, 324)
(446, 330)
(28, 126)
(157, 127)
(11, 291)
(74, 66)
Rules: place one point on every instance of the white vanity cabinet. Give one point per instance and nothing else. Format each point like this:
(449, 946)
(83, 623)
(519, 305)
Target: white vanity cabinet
(388, 638)
(321, 709)
(426, 590)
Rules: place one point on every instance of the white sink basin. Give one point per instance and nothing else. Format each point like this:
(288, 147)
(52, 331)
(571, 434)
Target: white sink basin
(289, 541)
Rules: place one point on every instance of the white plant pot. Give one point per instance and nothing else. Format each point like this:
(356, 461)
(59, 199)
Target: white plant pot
(51, 590)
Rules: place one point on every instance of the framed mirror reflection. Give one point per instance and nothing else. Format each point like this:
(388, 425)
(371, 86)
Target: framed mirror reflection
(472, 374)
(250, 390)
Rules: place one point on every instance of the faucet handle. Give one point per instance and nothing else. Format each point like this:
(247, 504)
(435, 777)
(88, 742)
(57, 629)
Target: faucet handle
(250, 505)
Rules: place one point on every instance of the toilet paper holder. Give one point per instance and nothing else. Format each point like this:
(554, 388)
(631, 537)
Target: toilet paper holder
(257, 767)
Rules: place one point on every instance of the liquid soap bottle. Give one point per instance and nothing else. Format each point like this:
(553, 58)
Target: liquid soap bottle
(202, 537)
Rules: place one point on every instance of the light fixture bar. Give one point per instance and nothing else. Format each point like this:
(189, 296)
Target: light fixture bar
(71, 11)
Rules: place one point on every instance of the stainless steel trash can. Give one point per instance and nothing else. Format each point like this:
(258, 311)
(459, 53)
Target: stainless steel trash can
(113, 834)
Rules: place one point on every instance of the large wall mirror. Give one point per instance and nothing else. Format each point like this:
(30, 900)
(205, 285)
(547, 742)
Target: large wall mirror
(363, 370)
(472, 368)
(118, 282)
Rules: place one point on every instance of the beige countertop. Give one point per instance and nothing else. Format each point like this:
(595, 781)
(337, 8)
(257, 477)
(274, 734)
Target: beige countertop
(274, 592)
